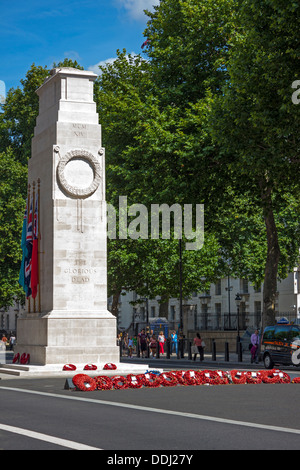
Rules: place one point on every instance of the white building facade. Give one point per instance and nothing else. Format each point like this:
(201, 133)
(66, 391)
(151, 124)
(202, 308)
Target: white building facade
(215, 309)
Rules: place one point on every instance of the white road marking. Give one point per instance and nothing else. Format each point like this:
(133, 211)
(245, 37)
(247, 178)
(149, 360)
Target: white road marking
(46, 437)
(161, 411)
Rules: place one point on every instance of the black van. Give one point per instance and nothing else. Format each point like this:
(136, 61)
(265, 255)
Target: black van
(280, 344)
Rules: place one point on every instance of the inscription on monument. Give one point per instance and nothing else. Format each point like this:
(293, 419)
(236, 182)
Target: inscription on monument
(79, 130)
(80, 275)
(80, 280)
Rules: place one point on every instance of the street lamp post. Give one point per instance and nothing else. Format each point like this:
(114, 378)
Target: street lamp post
(238, 301)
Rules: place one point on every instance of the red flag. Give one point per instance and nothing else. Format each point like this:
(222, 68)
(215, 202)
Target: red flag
(34, 258)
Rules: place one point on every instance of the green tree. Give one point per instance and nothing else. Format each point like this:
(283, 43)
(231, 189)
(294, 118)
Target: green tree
(19, 114)
(140, 139)
(13, 178)
(256, 124)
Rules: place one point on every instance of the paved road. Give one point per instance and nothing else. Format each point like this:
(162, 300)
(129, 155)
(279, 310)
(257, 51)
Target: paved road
(175, 420)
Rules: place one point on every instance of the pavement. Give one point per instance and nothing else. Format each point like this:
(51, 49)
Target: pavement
(165, 363)
(139, 365)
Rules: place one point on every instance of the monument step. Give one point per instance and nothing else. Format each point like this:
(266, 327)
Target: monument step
(56, 370)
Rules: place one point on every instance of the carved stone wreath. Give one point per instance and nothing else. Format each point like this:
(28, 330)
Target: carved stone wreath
(90, 159)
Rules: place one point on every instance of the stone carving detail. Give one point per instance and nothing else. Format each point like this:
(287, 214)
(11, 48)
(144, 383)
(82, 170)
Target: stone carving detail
(89, 158)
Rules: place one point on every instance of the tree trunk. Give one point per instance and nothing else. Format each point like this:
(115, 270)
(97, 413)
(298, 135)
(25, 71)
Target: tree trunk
(164, 307)
(272, 261)
(115, 302)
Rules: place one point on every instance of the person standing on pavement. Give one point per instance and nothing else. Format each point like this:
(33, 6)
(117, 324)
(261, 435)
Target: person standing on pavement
(254, 349)
(161, 339)
(142, 339)
(174, 341)
(152, 345)
(198, 343)
(130, 346)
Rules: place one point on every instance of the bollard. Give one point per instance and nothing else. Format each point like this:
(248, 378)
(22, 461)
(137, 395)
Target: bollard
(189, 349)
(182, 348)
(226, 352)
(157, 350)
(213, 356)
(168, 348)
(240, 352)
(138, 351)
(178, 350)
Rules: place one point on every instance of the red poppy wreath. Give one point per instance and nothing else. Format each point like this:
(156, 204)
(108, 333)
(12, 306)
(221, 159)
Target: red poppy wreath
(84, 382)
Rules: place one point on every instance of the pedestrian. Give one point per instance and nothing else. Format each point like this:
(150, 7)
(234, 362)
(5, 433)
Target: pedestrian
(142, 339)
(174, 341)
(134, 340)
(12, 341)
(161, 340)
(199, 344)
(130, 346)
(152, 345)
(254, 348)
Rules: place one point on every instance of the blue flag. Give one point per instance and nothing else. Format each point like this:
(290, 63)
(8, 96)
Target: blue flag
(24, 251)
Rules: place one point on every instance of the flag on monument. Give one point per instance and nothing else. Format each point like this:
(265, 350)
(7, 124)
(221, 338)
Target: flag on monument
(29, 240)
(34, 258)
(24, 251)
(145, 43)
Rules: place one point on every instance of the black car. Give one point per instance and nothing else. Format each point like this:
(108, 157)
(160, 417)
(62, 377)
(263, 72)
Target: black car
(280, 344)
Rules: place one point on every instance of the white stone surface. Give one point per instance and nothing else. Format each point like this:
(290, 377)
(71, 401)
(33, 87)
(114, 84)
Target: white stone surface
(69, 321)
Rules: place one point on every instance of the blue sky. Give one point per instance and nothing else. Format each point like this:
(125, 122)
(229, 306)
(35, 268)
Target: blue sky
(47, 31)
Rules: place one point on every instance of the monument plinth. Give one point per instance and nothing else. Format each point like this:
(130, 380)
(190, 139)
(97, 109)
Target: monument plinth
(68, 321)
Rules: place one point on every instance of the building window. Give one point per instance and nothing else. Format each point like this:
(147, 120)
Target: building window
(218, 287)
(172, 312)
(244, 286)
(218, 311)
(152, 311)
(257, 314)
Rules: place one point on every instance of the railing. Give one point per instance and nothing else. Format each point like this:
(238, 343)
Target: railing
(183, 350)
(212, 321)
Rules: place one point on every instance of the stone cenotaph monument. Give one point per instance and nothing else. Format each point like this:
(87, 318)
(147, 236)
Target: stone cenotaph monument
(68, 321)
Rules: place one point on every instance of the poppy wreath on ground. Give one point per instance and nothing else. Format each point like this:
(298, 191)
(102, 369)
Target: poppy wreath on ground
(296, 380)
(110, 366)
(103, 382)
(223, 377)
(84, 382)
(152, 380)
(253, 377)
(191, 378)
(210, 377)
(238, 377)
(119, 382)
(179, 374)
(16, 358)
(270, 376)
(25, 358)
(69, 367)
(168, 379)
(134, 381)
(90, 367)
(284, 378)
